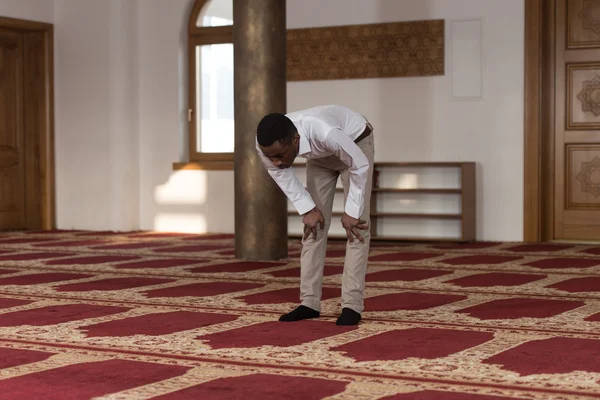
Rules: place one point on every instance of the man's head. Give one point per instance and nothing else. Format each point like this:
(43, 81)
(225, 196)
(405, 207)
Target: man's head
(278, 139)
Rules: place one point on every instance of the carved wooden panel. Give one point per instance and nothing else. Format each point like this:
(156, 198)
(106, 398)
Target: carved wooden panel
(12, 167)
(583, 22)
(8, 189)
(583, 176)
(583, 96)
(414, 48)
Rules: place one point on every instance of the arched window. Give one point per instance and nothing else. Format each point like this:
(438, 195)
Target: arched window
(210, 52)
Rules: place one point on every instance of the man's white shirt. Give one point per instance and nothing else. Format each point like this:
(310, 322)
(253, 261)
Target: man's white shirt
(325, 131)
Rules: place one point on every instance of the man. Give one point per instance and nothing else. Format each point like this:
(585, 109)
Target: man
(335, 141)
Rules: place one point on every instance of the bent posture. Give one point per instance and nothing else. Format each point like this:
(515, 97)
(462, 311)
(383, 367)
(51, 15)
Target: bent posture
(335, 141)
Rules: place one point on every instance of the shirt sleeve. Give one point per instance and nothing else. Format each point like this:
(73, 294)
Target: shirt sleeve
(289, 183)
(358, 167)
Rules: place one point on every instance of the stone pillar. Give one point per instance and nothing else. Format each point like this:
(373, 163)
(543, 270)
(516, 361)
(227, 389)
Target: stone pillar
(259, 38)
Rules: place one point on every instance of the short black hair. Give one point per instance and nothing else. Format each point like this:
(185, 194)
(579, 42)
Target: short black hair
(275, 127)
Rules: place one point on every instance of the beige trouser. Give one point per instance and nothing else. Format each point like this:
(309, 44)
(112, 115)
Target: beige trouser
(321, 177)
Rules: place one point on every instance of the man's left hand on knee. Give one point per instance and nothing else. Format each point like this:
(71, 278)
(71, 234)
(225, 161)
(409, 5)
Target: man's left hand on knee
(353, 227)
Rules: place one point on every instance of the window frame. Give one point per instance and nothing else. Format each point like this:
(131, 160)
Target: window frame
(198, 36)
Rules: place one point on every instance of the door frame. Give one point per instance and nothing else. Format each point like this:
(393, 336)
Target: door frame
(538, 207)
(47, 157)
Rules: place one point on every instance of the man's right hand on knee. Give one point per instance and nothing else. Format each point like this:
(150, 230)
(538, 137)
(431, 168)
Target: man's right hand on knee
(313, 220)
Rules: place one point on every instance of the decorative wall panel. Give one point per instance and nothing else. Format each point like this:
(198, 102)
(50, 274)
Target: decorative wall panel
(583, 176)
(583, 23)
(583, 96)
(398, 49)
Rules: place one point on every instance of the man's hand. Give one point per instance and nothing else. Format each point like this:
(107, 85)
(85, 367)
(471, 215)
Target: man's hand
(352, 227)
(311, 221)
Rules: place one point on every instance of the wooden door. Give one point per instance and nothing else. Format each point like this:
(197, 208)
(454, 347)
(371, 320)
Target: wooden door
(12, 152)
(576, 122)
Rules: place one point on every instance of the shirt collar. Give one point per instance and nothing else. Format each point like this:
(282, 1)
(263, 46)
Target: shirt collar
(304, 146)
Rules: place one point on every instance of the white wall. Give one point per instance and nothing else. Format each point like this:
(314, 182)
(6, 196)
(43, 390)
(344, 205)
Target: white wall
(416, 119)
(191, 201)
(120, 117)
(121, 102)
(82, 109)
(97, 145)
(32, 10)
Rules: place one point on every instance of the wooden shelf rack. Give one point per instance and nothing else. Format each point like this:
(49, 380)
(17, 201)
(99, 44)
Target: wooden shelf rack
(466, 192)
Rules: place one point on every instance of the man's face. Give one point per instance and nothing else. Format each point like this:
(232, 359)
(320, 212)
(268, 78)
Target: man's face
(282, 154)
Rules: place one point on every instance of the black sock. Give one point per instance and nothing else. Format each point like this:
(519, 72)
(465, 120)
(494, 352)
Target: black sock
(301, 312)
(348, 317)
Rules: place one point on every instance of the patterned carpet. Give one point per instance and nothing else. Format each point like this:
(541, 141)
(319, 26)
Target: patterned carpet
(164, 316)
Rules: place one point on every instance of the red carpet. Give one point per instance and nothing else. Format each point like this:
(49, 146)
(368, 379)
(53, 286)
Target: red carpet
(173, 316)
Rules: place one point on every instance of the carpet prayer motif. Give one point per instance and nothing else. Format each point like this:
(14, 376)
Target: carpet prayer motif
(145, 315)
